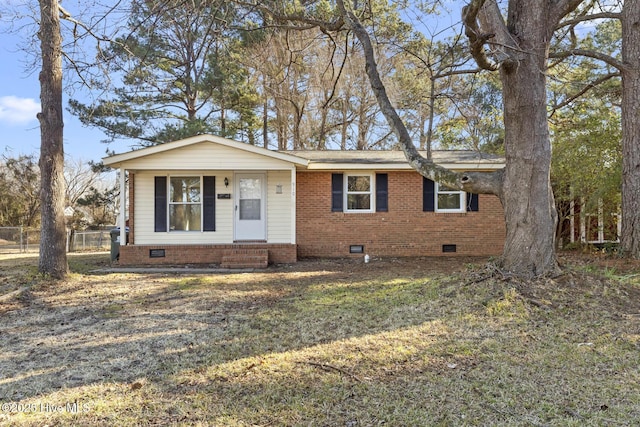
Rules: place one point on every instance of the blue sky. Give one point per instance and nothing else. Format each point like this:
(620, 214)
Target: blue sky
(20, 101)
(19, 104)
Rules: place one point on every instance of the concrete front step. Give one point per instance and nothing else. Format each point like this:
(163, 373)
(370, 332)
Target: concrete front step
(245, 258)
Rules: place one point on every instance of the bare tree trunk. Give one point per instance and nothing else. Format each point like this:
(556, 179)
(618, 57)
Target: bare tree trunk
(527, 199)
(223, 121)
(345, 125)
(426, 145)
(53, 257)
(525, 185)
(281, 125)
(322, 133)
(265, 123)
(297, 120)
(363, 127)
(630, 238)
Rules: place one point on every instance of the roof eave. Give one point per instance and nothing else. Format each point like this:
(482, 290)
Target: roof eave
(398, 166)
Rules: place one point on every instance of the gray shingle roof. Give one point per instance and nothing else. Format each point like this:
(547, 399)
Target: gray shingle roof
(395, 157)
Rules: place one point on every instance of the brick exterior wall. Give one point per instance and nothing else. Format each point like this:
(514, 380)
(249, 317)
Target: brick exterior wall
(405, 230)
(199, 254)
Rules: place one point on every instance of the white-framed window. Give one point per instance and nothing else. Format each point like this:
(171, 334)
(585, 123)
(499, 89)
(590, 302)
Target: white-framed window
(449, 199)
(185, 203)
(359, 192)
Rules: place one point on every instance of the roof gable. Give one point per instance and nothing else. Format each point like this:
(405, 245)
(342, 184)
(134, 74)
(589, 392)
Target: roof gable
(152, 157)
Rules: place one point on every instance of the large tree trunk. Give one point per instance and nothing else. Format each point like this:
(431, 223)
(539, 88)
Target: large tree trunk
(528, 202)
(53, 257)
(521, 47)
(630, 239)
(525, 185)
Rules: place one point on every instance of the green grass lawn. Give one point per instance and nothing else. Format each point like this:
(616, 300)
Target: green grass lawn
(418, 342)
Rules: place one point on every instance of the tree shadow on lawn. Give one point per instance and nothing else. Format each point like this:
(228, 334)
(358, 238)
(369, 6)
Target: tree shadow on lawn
(303, 332)
(119, 328)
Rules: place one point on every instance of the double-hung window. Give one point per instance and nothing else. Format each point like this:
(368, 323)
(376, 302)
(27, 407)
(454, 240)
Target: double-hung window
(185, 203)
(440, 198)
(359, 193)
(449, 199)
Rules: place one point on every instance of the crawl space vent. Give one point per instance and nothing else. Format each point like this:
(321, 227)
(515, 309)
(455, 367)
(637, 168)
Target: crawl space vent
(356, 249)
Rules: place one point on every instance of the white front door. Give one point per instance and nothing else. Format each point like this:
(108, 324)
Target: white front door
(250, 219)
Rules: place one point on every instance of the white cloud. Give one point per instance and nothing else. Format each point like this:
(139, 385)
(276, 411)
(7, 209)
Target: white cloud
(14, 110)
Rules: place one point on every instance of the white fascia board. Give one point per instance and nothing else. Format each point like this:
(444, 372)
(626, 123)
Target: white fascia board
(397, 166)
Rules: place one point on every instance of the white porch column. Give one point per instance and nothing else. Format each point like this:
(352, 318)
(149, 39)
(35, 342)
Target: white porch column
(572, 220)
(600, 221)
(583, 221)
(619, 225)
(293, 204)
(123, 207)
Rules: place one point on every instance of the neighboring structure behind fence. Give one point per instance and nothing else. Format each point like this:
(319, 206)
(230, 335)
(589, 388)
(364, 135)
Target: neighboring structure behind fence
(80, 241)
(22, 239)
(19, 239)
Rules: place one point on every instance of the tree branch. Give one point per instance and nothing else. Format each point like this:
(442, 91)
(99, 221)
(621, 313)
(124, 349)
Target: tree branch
(68, 17)
(477, 39)
(561, 8)
(490, 183)
(584, 90)
(295, 17)
(590, 54)
(579, 19)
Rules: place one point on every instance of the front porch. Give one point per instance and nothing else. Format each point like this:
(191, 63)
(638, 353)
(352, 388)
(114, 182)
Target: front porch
(278, 253)
(204, 198)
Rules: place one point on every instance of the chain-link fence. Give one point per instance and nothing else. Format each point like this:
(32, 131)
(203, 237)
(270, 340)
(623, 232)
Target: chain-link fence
(80, 241)
(22, 239)
(19, 239)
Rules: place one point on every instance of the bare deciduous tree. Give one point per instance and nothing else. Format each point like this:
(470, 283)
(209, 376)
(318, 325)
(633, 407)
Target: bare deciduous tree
(53, 257)
(524, 185)
(630, 239)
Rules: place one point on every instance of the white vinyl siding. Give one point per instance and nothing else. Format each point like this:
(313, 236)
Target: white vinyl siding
(144, 213)
(279, 207)
(198, 157)
(279, 220)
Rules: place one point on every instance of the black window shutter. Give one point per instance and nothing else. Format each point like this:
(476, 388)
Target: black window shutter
(428, 195)
(472, 202)
(160, 204)
(336, 192)
(382, 192)
(209, 203)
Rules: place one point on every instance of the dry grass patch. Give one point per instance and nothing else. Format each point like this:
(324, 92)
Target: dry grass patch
(413, 342)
